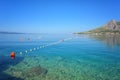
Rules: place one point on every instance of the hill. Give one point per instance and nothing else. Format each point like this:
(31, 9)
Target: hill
(112, 26)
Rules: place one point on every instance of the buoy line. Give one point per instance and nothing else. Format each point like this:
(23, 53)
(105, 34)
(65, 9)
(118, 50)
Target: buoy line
(25, 52)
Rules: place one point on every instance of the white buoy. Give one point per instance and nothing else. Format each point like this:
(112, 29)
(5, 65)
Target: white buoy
(30, 50)
(26, 51)
(20, 52)
(37, 48)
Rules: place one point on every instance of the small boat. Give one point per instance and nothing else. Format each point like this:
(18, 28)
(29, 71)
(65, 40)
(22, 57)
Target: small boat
(62, 40)
(28, 39)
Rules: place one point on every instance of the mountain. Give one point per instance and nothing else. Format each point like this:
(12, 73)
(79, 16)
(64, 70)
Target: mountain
(111, 26)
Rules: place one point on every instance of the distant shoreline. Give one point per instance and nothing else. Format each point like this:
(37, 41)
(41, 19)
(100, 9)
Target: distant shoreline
(2, 32)
(5, 32)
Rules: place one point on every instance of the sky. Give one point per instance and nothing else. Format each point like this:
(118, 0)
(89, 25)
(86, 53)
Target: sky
(56, 16)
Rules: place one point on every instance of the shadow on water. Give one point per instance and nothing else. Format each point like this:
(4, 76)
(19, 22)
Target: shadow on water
(5, 63)
(110, 40)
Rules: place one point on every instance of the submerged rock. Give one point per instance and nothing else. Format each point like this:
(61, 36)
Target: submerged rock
(58, 58)
(36, 71)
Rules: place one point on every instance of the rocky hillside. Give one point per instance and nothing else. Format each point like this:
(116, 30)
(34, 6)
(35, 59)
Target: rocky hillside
(111, 26)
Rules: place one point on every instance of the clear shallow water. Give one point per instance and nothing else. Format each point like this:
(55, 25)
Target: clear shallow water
(80, 57)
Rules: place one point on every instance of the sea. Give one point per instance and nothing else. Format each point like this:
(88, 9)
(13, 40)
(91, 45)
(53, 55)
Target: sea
(59, 57)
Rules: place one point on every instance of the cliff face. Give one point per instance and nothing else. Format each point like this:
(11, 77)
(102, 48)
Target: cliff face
(112, 25)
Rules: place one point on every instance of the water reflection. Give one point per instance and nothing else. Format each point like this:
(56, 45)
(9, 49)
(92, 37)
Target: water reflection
(110, 40)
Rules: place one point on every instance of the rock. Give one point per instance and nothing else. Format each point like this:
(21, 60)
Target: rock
(36, 71)
(112, 25)
(58, 58)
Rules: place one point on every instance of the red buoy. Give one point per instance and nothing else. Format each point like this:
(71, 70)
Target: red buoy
(21, 39)
(12, 55)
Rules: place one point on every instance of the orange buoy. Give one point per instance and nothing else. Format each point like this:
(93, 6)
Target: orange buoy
(21, 39)
(12, 55)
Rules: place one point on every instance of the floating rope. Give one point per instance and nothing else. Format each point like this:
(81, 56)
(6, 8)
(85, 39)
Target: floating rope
(43, 46)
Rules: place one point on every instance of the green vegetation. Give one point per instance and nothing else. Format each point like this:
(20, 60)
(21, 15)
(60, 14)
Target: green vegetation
(118, 23)
(82, 33)
(112, 27)
(101, 30)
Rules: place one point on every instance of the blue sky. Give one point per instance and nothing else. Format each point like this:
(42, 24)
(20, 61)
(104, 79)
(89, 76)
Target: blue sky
(56, 16)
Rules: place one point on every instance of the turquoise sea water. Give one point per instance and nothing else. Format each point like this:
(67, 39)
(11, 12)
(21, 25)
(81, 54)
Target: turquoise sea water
(59, 57)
